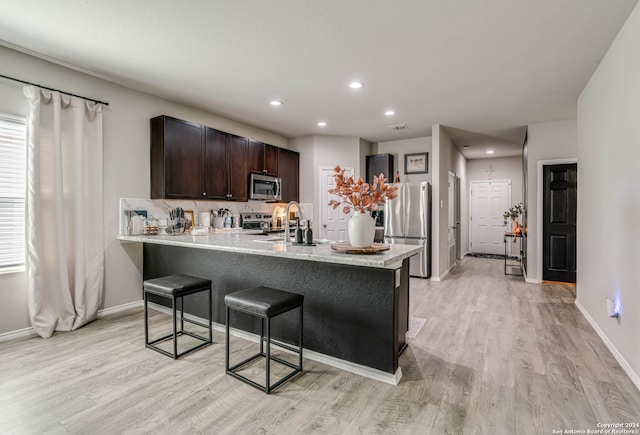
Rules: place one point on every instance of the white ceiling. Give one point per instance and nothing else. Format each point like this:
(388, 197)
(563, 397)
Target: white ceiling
(484, 66)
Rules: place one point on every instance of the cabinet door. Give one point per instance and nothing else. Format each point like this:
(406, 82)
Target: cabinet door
(216, 173)
(256, 156)
(270, 160)
(237, 156)
(183, 167)
(288, 170)
(379, 163)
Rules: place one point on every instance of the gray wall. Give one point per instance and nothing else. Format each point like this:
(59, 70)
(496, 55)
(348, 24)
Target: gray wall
(609, 198)
(126, 167)
(547, 141)
(401, 147)
(505, 168)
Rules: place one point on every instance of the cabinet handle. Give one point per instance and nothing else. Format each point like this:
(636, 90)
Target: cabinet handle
(264, 170)
(204, 193)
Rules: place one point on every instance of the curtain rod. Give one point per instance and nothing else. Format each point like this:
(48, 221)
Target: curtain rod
(56, 90)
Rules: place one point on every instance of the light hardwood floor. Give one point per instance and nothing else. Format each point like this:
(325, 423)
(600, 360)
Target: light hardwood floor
(496, 356)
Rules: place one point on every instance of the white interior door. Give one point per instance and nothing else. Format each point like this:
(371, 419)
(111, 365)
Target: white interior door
(333, 223)
(489, 201)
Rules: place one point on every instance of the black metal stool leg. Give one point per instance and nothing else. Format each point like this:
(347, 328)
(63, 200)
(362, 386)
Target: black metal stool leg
(227, 344)
(209, 319)
(175, 334)
(268, 356)
(146, 319)
(300, 339)
(181, 314)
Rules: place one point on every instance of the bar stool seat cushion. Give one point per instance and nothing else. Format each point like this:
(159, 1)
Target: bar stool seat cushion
(176, 285)
(263, 301)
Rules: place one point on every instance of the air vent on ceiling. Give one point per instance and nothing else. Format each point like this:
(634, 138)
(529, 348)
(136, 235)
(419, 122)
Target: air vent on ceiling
(399, 127)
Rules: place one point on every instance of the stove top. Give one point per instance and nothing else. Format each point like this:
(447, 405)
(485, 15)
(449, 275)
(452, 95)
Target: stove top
(253, 220)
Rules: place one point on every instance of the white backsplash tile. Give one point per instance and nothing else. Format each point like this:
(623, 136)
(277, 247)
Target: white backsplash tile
(159, 208)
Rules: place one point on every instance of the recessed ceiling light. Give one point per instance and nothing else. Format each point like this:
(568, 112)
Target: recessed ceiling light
(322, 124)
(490, 151)
(276, 103)
(389, 113)
(356, 84)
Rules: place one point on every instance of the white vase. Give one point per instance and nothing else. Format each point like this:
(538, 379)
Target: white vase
(362, 230)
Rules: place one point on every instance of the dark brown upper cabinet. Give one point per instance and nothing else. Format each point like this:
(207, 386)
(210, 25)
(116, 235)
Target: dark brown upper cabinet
(237, 165)
(176, 159)
(263, 158)
(289, 170)
(225, 166)
(190, 161)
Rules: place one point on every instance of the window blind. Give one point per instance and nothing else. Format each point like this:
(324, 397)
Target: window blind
(12, 191)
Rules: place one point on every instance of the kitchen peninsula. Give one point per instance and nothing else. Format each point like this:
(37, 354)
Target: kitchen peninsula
(356, 306)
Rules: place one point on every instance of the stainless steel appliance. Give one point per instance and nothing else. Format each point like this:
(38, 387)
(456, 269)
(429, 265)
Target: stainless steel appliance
(407, 220)
(255, 221)
(265, 187)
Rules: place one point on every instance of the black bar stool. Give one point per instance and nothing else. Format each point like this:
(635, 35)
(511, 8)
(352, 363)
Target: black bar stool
(264, 302)
(175, 287)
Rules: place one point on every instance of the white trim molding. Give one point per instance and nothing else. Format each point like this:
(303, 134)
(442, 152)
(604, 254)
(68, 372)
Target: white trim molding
(118, 308)
(616, 353)
(30, 332)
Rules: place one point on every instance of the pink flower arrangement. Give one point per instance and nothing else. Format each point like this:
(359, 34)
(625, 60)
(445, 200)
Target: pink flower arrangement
(358, 195)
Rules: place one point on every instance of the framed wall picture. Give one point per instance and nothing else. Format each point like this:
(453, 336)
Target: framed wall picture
(416, 163)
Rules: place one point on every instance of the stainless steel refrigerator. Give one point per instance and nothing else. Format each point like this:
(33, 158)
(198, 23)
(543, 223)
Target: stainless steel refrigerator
(407, 220)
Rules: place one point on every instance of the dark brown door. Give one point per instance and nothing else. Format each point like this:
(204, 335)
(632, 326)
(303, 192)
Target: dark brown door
(183, 159)
(256, 156)
(288, 170)
(270, 160)
(559, 222)
(237, 156)
(217, 176)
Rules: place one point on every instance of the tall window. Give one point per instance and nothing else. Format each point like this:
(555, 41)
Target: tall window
(12, 192)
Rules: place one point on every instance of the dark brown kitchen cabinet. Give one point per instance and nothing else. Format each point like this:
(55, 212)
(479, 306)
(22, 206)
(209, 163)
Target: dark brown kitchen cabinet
(217, 175)
(288, 170)
(190, 161)
(263, 158)
(237, 166)
(226, 166)
(176, 159)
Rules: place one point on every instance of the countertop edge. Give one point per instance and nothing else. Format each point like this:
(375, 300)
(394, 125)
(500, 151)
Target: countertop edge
(389, 260)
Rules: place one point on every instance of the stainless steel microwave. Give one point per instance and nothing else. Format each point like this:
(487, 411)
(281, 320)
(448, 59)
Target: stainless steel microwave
(265, 187)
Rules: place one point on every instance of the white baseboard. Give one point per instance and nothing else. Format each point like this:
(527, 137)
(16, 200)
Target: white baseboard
(25, 332)
(441, 277)
(531, 281)
(118, 308)
(616, 353)
(101, 313)
(367, 372)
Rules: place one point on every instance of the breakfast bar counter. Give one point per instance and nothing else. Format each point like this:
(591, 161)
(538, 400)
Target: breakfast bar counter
(252, 243)
(356, 307)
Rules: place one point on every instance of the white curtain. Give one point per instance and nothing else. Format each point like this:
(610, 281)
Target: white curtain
(65, 248)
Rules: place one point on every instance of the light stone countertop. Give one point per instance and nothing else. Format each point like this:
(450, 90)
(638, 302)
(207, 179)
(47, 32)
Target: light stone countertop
(244, 242)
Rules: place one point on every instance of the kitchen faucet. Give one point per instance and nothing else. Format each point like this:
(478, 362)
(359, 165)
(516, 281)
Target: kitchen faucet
(286, 219)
